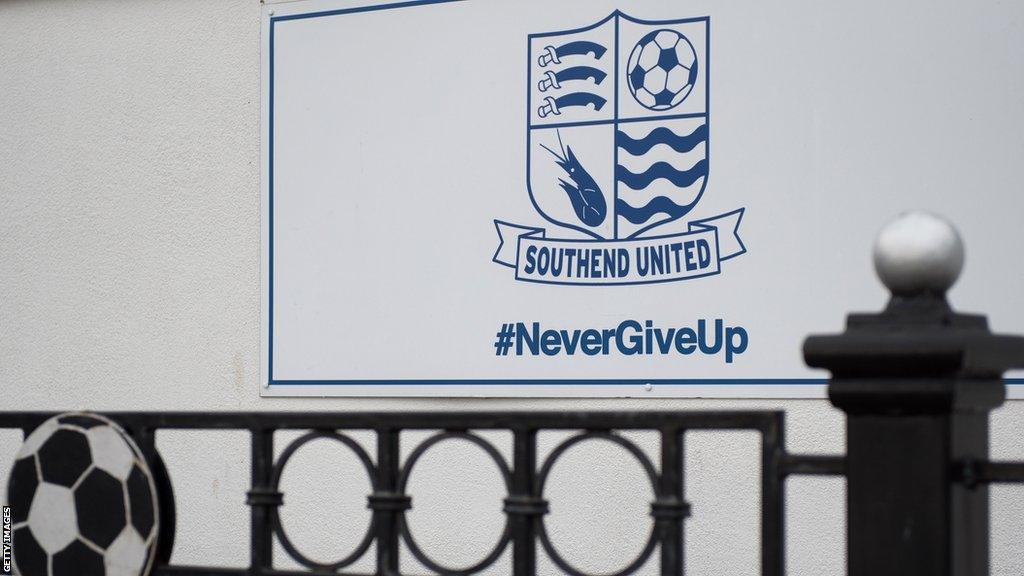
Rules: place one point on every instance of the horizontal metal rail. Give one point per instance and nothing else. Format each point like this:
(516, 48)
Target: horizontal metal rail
(1001, 472)
(814, 465)
(634, 420)
(972, 473)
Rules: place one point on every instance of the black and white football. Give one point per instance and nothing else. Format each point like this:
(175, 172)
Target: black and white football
(83, 501)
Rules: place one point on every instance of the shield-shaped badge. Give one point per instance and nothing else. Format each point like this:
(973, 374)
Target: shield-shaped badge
(618, 124)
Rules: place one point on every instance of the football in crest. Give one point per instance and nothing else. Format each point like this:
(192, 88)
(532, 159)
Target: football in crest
(83, 501)
(662, 69)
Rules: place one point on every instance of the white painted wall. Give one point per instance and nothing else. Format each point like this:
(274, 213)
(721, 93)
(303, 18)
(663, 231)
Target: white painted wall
(129, 279)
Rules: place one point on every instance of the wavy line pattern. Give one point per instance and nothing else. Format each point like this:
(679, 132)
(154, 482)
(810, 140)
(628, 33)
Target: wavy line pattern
(681, 178)
(662, 135)
(661, 204)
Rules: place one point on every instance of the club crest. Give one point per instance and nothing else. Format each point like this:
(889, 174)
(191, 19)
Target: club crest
(618, 147)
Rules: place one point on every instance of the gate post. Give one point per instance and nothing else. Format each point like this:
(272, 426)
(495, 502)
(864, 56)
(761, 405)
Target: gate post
(917, 382)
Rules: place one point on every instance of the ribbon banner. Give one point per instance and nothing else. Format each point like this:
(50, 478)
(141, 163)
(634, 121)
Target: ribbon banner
(696, 253)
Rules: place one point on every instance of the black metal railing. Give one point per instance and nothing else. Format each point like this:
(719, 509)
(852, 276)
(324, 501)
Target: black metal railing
(917, 382)
(525, 479)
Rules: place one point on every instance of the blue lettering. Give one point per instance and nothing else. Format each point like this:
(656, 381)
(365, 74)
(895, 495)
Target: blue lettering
(703, 253)
(569, 259)
(608, 335)
(556, 262)
(623, 269)
(676, 248)
(531, 259)
(590, 342)
(736, 342)
(543, 260)
(570, 343)
(642, 262)
(550, 342)
(703, 340)
(529, 337)
(581, 267)
(657, 260)
(636, 341)
(686, 340)
(688, 248)
(664, 339)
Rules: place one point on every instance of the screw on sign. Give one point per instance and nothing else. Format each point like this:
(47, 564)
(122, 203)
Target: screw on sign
(83, 501)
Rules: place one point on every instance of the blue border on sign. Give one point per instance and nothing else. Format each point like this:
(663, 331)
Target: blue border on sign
(453, 382)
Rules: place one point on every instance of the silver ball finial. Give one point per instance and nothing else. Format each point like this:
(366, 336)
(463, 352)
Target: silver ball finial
(918, 253)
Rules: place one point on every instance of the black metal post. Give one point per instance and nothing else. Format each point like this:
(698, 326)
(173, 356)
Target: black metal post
(917, 382)
(523, 505)
(146, 438)
(773, 494)
(387, 503)
(671, 509)
(261, 497)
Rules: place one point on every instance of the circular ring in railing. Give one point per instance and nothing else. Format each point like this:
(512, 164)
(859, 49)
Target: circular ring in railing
(506, 475)
(275, 517)
(542, 479)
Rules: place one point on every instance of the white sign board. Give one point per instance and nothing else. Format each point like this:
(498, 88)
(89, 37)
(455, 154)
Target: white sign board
(595, 198)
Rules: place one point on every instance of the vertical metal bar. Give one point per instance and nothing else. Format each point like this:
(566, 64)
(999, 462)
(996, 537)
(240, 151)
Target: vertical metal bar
(970, 504)
(524, 526)
(261, 536)
(773, 536)
(907, 515)
(146, 438)
(670, 489)
(898, 518)
(388, 468)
